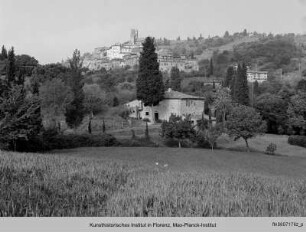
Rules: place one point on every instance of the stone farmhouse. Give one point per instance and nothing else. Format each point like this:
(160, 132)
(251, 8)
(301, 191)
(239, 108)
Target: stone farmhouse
(174, 102)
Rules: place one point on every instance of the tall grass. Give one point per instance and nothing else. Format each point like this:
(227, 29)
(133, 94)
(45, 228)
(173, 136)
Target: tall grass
(33, 185)
(46, 185)
(211, 194)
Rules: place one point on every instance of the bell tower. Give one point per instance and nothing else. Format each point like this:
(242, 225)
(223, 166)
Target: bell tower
(134, 36)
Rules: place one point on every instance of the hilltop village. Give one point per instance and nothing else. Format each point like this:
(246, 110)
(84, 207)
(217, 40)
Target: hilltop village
(127, 54)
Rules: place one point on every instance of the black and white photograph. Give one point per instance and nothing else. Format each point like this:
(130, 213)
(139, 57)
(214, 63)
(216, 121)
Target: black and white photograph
(161, 109)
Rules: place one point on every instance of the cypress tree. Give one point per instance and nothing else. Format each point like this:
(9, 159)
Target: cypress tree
(256, 88)
(241, 86)
(211, 67)
(167, 84)
(232, 84)
(115, 101)
(3, 53)
(149, 84)
(75, 111)
(147, 132)
(11, 68)
(175, 79)
(229, 76)
(103, 126)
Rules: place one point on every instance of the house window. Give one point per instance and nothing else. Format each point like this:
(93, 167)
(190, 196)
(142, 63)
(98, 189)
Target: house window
(188, 103)
(147, 113)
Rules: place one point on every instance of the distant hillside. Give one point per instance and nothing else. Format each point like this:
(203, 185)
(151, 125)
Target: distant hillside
(278, 54)
(208, 53)
(283, 56)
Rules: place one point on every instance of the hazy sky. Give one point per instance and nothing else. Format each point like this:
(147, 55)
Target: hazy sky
(50, 30)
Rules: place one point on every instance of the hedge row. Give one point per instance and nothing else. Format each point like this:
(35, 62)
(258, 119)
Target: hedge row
(51, 141)
(298, 140)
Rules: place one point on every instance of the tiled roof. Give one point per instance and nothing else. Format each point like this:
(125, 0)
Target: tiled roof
(171, 94)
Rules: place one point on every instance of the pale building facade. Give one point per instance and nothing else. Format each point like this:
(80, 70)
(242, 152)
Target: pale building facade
(254, 75)
(174, 102)
(259, 76)
(114, 52)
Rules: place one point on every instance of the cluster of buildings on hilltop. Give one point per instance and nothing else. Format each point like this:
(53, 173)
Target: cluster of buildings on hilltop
(115, 56)
(167, 61)
(128, 53)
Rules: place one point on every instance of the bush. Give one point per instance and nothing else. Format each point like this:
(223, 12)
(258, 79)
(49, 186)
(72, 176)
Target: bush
(51, 140)
(130, 79)
(138, 142)
(297, 140)
(178, 129)
(271, 148)
(174, 143)
(127, 86)
(202, 142)
(84, 140)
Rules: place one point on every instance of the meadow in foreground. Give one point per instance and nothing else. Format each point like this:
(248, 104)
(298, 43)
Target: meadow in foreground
(53, 185)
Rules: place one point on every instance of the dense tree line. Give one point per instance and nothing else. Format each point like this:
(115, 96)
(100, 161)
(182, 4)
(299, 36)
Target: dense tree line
(281, 104)
(20, 116)
(35, 98)
(278, 51)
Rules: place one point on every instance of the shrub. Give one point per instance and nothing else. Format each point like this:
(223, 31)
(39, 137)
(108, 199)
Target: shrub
(138, 142)
(37, 143)
(85, 140)
(127, 86)
(133, 134)
(280, 130)
(130, 79)
(50, 140)
(158, 121)
(123, 112)
(178, 128)
(297, 140)
(173, 143)
(271, 148)
(202, 142)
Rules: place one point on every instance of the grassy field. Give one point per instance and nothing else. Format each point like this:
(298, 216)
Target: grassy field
(257, 144)
(122, 181)
(260, 143)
